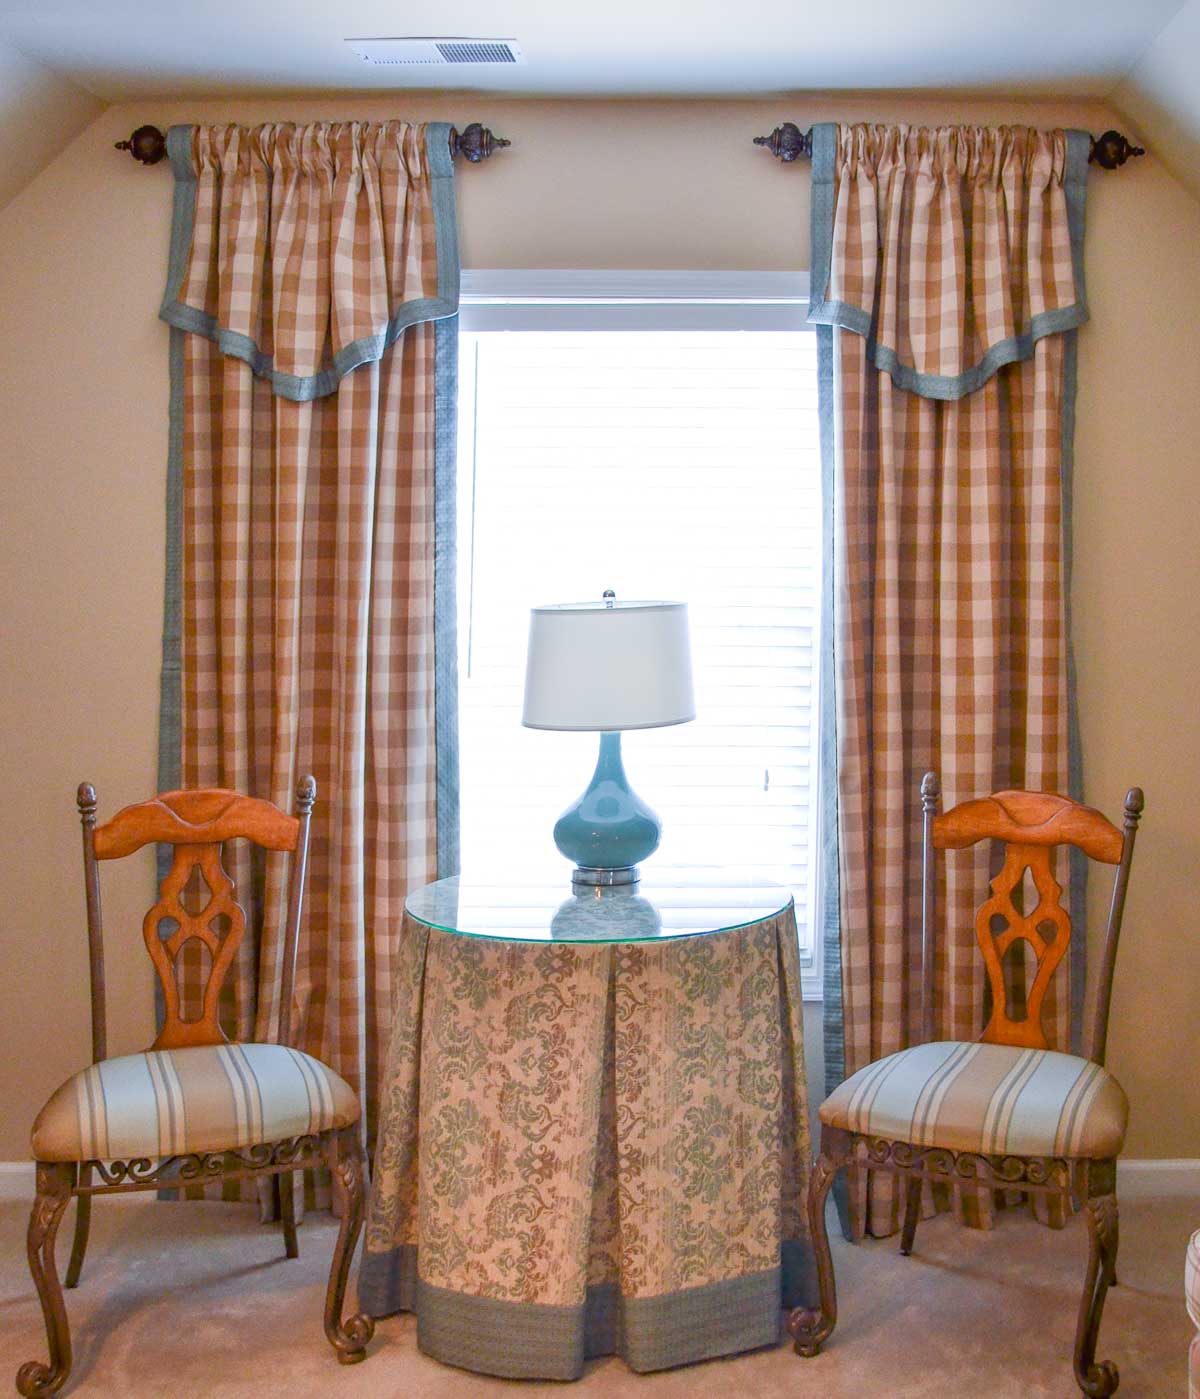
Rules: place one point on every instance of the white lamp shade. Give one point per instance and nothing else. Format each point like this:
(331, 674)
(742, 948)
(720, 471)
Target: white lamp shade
(593, 666)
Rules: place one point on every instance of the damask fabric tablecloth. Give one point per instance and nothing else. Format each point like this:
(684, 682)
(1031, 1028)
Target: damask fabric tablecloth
(586, 1150)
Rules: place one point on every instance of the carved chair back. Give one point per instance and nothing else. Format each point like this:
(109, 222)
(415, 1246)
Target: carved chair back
(1031, 825)
(195, 823)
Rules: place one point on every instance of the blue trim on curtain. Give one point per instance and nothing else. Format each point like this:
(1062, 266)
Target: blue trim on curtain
(949, 387)
(824, 151)
(170, 675)
(1079, 145)
(170, 695)
(170, 743)
(366, 350)
(445, 603)
(829, 914)
(183, 215)
(170, 683)
(445, 556)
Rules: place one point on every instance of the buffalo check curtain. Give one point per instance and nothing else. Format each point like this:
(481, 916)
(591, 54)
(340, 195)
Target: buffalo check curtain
(310, 611)
(947, 285)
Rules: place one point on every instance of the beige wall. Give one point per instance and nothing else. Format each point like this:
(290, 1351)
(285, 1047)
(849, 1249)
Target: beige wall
(83, 409)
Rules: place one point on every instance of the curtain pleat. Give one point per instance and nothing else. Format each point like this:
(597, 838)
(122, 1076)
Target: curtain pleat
(947, 263)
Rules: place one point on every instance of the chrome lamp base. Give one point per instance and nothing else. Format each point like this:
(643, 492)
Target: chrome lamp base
(591, 877)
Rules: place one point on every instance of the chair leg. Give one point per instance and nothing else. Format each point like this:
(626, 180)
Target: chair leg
(810, 1328)
(1097, 1380)
(912, 1213)
(83, 1223)
(344, 1155)
(55, 1181)
(286, 1200)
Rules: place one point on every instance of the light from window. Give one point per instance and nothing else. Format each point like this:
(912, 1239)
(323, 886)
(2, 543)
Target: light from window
(661, 464)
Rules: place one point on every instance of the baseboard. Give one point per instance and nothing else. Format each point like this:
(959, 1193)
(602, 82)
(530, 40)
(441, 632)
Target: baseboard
(16, 1180)
(1162, 1179)
(1136, 1179)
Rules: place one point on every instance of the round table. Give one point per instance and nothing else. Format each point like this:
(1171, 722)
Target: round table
(593, 1127)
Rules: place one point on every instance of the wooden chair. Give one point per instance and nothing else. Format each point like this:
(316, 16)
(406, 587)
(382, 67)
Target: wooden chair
(1003, 1111)
(194, 1107)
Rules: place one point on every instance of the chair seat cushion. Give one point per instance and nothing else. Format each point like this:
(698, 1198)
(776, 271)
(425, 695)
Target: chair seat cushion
(171, 1102)
(987, 1098)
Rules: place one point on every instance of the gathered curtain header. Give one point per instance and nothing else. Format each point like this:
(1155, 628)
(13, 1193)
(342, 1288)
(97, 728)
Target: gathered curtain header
(307, 250)
(953, 250)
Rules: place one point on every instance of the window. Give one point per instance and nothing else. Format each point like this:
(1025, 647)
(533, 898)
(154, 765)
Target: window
(655, 434)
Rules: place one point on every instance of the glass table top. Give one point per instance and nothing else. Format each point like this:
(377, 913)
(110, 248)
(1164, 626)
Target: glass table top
(663, 905)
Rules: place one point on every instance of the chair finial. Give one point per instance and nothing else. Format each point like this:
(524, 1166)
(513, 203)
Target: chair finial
(931, 791)
(1135, 801)
(85, 799)
(306, 794)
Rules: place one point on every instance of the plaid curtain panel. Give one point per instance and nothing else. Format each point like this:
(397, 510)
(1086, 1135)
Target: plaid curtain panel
(949, 264)
(312, 458)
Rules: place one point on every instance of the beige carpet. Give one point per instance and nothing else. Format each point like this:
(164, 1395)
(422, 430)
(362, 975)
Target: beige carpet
(195, 1301)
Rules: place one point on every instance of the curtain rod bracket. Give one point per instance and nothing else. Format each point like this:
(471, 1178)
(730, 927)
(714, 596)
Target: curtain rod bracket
(474, 143)
(787, 142)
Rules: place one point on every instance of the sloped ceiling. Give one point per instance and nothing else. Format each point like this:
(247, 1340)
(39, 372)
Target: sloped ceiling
(40, 112)
(62, 61)
(1161, 96)
(120, 49)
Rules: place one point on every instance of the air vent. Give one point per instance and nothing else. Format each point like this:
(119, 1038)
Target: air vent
(388, 53)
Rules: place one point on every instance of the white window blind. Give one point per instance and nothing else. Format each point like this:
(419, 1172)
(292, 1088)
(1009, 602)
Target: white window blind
(662, 464)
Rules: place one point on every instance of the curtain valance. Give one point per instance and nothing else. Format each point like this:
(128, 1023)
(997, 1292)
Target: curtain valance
(307, 250)
(952, 250)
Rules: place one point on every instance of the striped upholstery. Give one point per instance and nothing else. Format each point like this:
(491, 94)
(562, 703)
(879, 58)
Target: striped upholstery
(173, 1101)
(989, 1098)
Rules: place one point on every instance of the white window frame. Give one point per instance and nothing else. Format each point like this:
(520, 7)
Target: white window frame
(561, 299)
(573, 299)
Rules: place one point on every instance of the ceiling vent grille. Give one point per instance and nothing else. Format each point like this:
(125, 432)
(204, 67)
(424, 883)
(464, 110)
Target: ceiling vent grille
(436, 52)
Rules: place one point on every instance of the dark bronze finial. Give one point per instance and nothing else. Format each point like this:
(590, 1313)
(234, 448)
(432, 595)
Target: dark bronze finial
(306, 794)
(1112, 150)
(85, 799)
(147, 144)
(475, 143)
(787, 142)
(1135, 800)
(931, 790)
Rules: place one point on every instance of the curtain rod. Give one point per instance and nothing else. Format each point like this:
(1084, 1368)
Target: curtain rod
(787, 142)
(474, 143)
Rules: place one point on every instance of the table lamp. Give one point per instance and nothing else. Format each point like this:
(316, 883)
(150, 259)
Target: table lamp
(605, 667)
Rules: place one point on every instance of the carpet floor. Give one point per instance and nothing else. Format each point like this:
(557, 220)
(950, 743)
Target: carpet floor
(196, 1301)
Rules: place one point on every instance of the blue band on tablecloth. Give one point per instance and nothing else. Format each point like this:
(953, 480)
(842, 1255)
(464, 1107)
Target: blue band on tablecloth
(535, 1340)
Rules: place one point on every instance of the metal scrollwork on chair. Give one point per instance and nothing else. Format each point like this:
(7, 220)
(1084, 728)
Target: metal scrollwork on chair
(297, 1153)
(970, 1167)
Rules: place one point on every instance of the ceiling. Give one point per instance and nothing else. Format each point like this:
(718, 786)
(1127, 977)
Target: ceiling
(63, 61)
(119, 49)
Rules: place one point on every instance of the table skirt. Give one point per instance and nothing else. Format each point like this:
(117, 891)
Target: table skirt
(592, 1149)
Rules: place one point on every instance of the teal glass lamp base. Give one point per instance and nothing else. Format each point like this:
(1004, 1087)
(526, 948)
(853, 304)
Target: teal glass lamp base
(609, 829)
